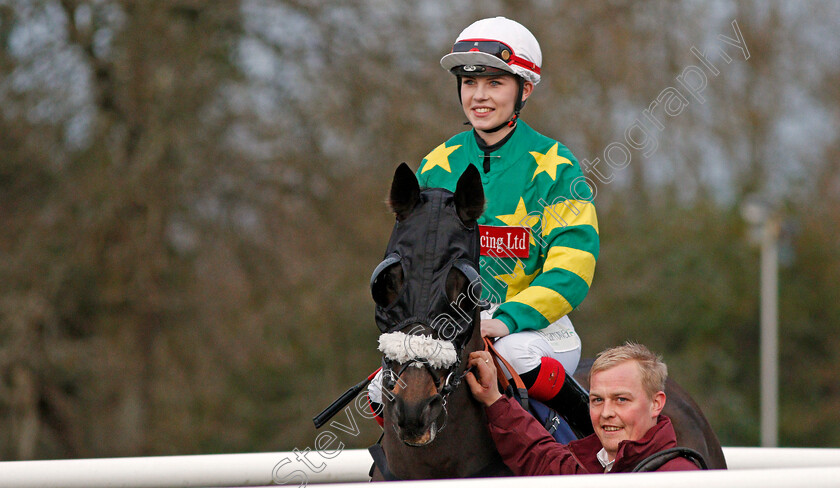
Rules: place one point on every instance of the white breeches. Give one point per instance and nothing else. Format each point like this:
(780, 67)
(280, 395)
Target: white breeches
(524, 350)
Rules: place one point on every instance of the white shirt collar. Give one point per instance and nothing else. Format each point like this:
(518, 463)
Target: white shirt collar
(604, 459)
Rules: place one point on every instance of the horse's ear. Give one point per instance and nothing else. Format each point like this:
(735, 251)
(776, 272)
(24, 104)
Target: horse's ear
(469, 195)
(405, 191)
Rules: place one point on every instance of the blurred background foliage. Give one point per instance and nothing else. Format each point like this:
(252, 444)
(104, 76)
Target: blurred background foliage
(191, 197)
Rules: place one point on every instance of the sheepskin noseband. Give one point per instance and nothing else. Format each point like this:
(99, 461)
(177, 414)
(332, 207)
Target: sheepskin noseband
(401, 348)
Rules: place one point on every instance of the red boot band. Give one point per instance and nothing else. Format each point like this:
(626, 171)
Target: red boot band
(549, 380)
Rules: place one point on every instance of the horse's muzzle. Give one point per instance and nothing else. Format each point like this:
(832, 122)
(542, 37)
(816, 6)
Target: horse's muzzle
(416, 424)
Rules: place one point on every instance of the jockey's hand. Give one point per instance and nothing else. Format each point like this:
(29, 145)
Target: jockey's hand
(484, 388)
(493, 328)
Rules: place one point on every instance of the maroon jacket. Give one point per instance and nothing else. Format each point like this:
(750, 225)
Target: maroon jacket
(528, 450)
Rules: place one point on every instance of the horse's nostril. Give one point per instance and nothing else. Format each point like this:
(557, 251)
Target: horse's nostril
(399, 411)
(433, 409)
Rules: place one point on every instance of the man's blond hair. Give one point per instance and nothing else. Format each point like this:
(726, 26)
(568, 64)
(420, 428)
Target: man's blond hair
(653, 370)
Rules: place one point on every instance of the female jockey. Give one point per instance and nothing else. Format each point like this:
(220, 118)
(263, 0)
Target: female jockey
(539, 231)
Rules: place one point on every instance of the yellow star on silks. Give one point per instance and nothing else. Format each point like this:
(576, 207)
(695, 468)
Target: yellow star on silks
(521, 217)
(515, 282)
(547, 163)
(439, 157)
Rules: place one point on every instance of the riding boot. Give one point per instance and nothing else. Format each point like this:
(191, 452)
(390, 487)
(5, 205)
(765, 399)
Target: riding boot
(560, 392)
(572, 403)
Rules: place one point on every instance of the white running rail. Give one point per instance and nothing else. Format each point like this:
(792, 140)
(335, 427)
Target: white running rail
(749, 467)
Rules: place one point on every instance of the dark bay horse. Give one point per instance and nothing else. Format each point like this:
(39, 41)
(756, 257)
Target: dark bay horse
(427, 294)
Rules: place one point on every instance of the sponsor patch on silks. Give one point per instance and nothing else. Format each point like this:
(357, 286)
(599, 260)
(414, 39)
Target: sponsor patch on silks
(401, 347)
(504, 241)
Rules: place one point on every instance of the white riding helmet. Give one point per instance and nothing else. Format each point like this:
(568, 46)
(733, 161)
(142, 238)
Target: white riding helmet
(498, 43)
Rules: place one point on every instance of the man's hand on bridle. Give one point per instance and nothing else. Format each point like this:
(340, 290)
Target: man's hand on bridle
(484, 388)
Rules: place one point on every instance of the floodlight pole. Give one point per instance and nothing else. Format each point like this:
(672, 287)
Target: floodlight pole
(770, 332)
(764, 230)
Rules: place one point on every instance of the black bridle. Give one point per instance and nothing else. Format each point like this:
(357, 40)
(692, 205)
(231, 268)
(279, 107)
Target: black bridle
(449, 385)
(444, 385)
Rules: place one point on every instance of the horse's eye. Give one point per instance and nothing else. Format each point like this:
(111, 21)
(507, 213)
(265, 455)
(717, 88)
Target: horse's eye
(386, 287)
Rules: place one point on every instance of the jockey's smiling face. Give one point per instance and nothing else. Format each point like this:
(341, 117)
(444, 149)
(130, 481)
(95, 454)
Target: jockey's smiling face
(619, 406)
(488, 101)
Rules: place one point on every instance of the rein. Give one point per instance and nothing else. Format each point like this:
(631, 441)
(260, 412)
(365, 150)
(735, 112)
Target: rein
(521, 391)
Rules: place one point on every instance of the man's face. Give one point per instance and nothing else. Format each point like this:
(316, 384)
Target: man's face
(619, 407)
